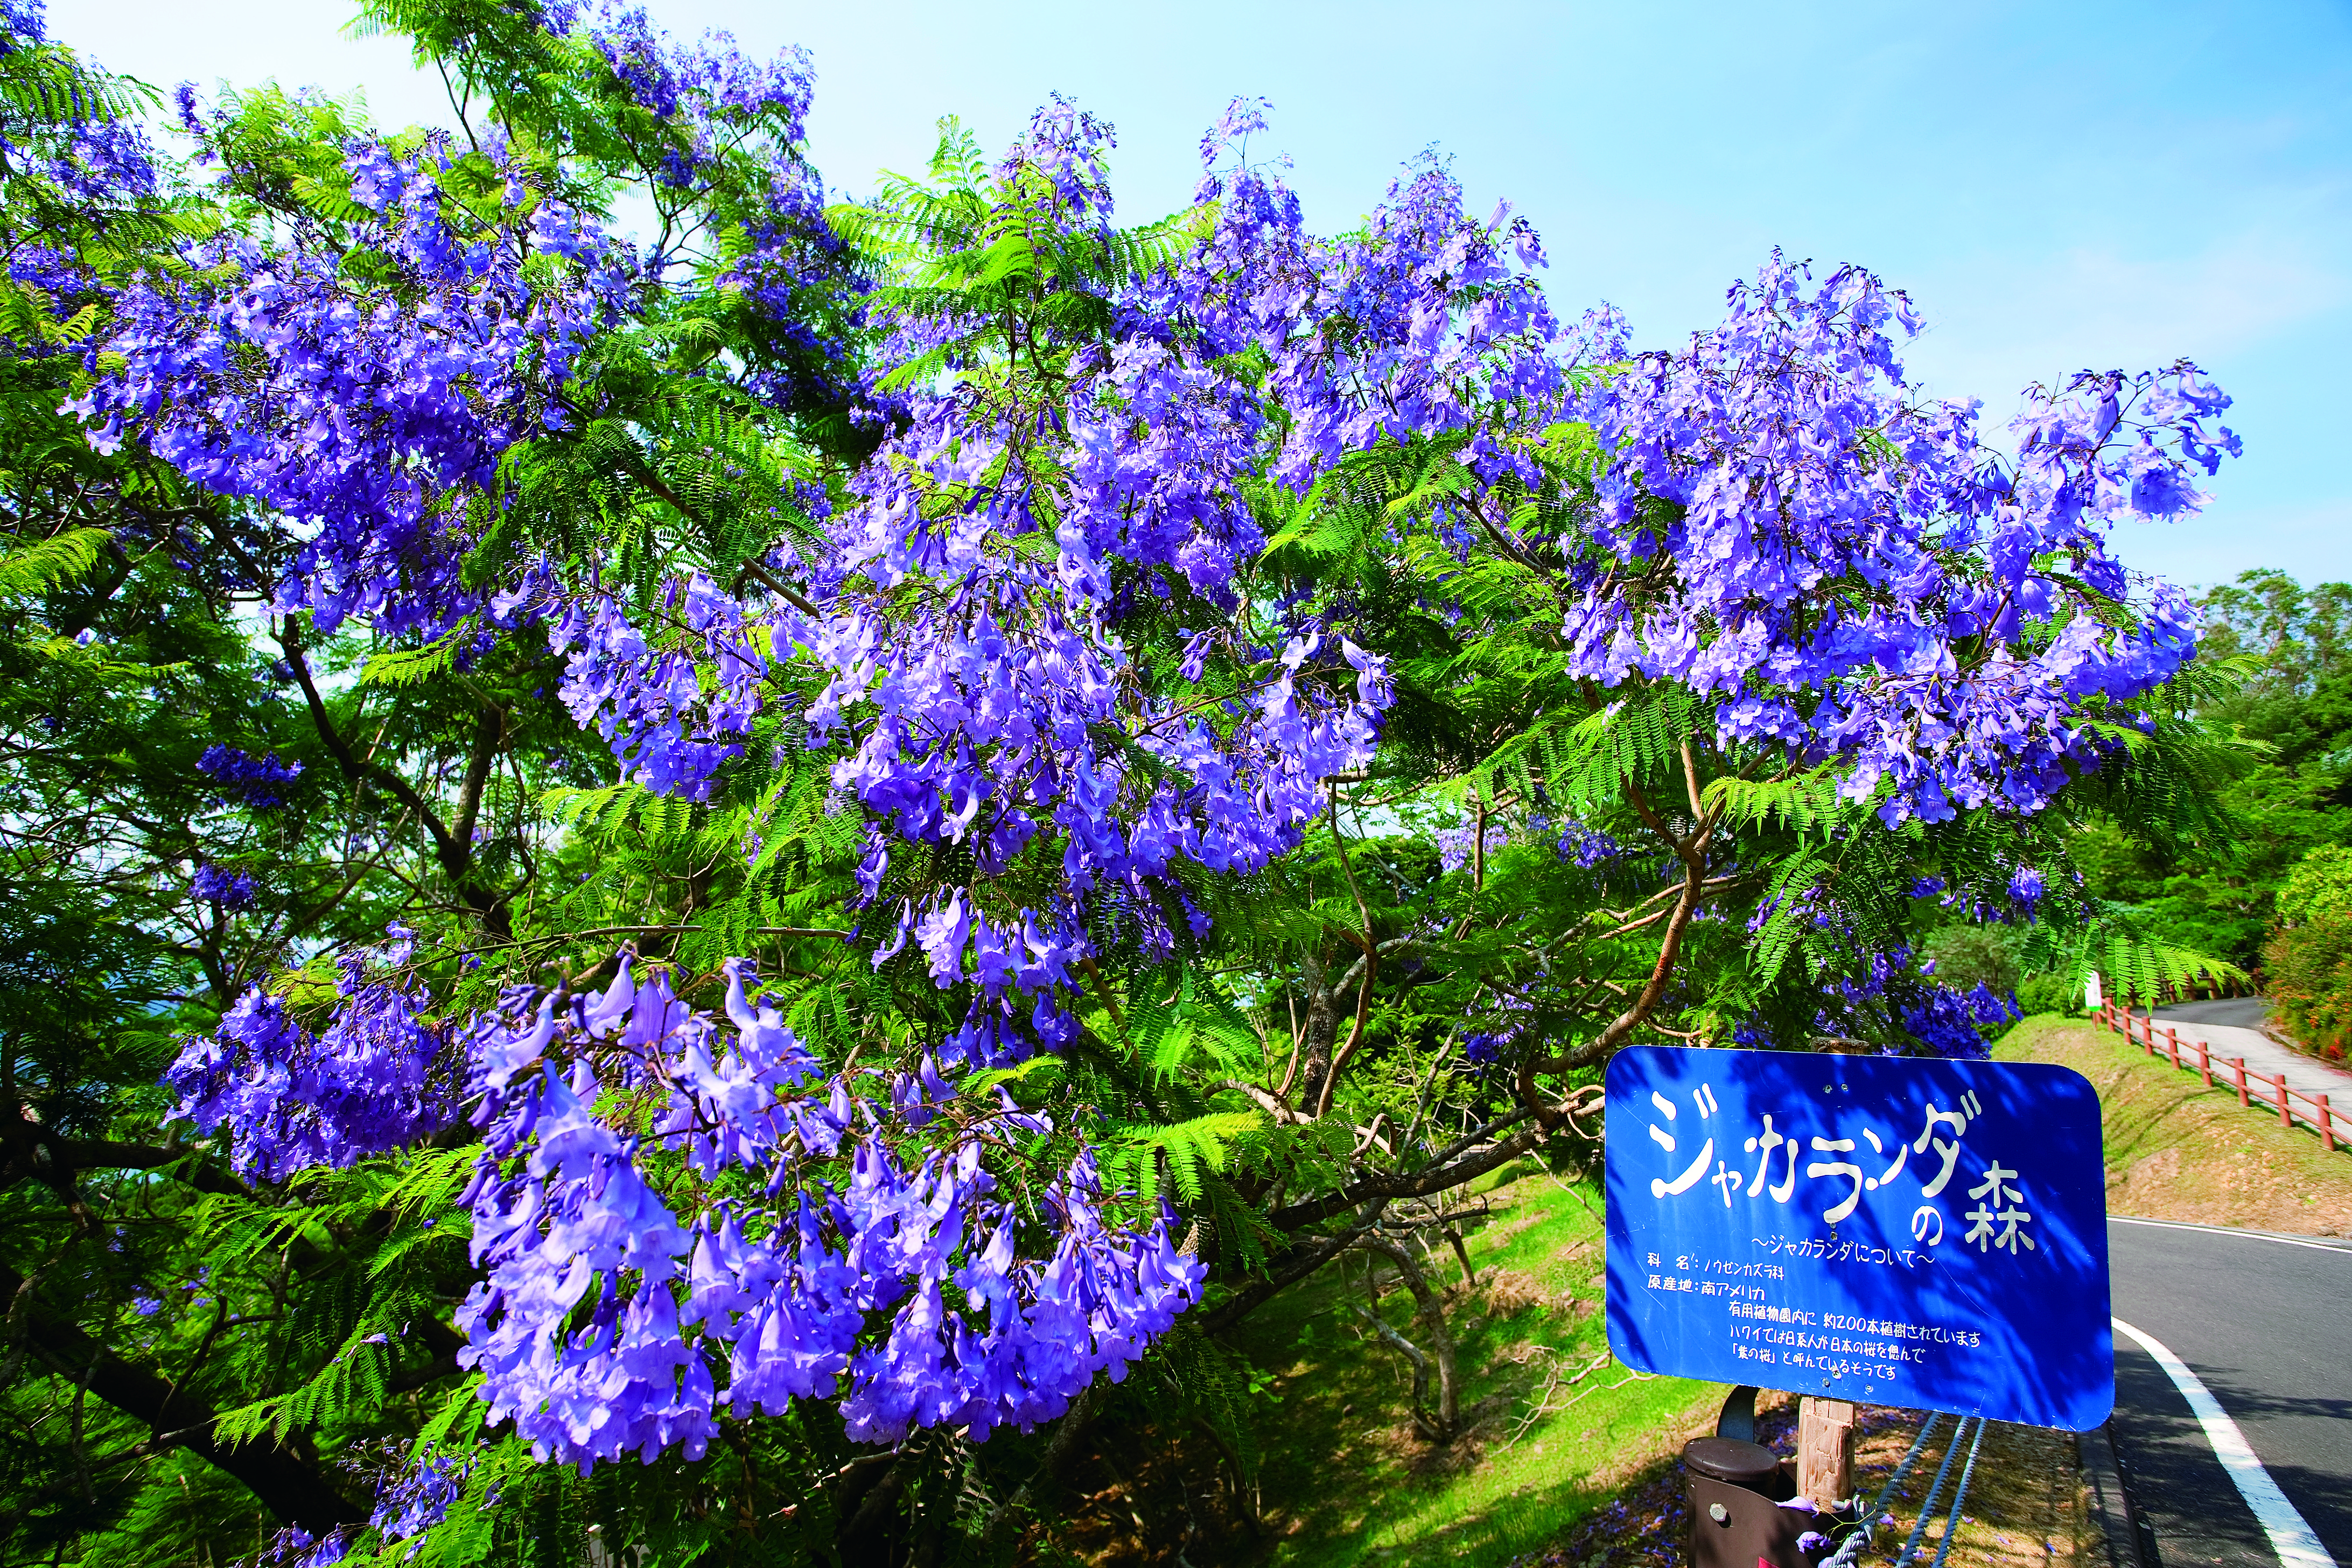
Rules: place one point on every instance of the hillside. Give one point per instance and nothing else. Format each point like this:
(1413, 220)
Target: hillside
(2176, 1150)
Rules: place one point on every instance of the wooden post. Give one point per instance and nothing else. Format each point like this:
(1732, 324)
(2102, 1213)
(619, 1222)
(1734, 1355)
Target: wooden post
(2239, 1063)
(2286, 1118)
(2172, 1046)
(2326, 1125)
(1825, 1451)
(2205, 1063)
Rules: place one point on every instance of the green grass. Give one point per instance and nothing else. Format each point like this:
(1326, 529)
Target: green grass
(1345, 1481)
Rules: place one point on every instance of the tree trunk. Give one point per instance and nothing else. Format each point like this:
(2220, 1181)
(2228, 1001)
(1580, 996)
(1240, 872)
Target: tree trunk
(1443, 1423)
(1469, 1274)
(1321, 1029)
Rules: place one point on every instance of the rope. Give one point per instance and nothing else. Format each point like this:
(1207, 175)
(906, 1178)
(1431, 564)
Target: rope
(1935, 1489)
(1852, 1548)
(1916, 1444)
(1952, 1520)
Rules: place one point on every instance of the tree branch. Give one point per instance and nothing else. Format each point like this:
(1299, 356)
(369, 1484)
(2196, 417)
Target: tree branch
(293, 1490)
(454, 850)
(1435, 1177)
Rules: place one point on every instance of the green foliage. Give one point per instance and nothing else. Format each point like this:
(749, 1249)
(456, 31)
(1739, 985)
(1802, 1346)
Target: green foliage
(2048, 994)
(2309, 958)
(2276, 704)
(1970, 956)
(2320, 886)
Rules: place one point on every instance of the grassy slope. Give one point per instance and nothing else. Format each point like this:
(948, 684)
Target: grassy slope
(2176, 1150)
(1344, 1479)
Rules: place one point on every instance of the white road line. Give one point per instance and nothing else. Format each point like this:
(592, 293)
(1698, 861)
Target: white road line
(2296, 1545)
(2227, 1230)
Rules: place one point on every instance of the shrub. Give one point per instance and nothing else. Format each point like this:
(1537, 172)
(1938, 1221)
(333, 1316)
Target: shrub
(2320, 885)
(1970, 956)
(2048, 994)
(2311, 980)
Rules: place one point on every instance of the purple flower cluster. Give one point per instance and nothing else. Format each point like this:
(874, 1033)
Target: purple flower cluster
(1485, 1049)
(887, 1270)
(667, 732)
(1006, 716)
(356, 401)
(416, 1497)
(1587, 846)
(1574, 842)
(1852, 573)
(289, 1099)
(100, 166)
(219, 885)
(1946, 1020)
(1453, 845)
(258, 782)
(1891, 995)
(413, 1492)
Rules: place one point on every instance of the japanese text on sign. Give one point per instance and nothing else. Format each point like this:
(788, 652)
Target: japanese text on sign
(1853, 1223)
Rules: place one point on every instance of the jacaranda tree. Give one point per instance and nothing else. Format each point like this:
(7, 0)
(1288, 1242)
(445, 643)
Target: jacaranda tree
(704, 884)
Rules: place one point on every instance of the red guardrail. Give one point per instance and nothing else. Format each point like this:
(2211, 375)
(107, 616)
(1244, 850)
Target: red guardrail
(2254, 1088)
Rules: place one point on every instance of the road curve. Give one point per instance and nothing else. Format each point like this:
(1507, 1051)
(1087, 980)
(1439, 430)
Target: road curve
(2233, 1027)
(2259, 1321)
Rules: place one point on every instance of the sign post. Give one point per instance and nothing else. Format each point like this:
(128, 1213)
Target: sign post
(1925, 1233)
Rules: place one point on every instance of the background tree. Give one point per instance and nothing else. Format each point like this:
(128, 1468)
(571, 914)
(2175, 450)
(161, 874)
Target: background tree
(2291, 715)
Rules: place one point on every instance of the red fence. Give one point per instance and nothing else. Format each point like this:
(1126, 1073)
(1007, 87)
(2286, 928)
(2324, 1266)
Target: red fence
(2270, 1091)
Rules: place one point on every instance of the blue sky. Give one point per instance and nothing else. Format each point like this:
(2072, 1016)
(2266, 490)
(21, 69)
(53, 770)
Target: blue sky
(2058, 187)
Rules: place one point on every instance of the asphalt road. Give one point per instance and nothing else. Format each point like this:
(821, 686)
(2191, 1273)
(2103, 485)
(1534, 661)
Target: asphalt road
(2261, 1322)
(2233, 1012)
(2231, 1026)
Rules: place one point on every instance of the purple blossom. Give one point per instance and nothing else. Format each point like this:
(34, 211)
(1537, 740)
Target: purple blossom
(754, 1307)
(1858, 561)
(219, 885)
(372, 1080)
(285, 380)
(258, 782)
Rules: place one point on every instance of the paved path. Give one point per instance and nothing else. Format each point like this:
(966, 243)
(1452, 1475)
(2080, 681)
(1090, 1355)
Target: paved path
(2257, 1319)
(2232, 1028)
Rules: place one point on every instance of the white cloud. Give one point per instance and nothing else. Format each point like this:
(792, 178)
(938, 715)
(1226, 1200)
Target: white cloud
(1998, 323)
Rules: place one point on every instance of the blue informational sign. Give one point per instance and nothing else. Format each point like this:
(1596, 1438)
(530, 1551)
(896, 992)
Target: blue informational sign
(1920, 1233)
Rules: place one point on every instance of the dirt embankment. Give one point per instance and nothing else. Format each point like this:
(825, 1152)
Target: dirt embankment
(2024, 1508)
(2176, 1150)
